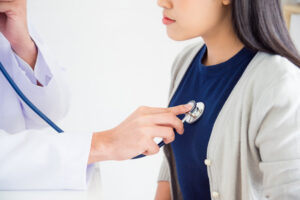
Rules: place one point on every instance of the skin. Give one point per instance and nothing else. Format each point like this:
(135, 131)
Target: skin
(13, 25)
(209, 19)
(134, 135)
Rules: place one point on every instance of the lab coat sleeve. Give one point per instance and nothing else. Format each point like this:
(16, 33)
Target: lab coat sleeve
(41, 72)
(43, 160)
(53, 98)
(278, 138)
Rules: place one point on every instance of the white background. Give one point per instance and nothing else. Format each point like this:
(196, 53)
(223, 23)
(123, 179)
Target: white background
(119, 57)
(295, 30)
(295, 25)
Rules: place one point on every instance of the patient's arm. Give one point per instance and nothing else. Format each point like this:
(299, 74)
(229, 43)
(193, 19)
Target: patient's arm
(163, 191)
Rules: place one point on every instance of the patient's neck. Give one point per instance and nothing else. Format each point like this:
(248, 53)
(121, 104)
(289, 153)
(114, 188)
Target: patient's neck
(222, 44)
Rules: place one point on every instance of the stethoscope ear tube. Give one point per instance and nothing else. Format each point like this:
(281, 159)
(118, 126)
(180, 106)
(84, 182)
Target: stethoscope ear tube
(27, 101)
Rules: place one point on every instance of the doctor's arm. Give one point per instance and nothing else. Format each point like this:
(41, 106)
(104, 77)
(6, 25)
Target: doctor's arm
(43, 159)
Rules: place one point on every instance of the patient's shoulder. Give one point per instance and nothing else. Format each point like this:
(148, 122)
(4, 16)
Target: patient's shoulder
(269, 69)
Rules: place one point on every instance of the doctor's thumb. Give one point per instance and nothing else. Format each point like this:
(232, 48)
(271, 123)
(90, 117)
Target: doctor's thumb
(181, 109)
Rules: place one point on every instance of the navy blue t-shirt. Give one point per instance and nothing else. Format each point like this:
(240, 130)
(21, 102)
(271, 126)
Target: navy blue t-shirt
(211, 85)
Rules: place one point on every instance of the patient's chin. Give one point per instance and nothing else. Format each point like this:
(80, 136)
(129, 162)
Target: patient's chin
(179, 36)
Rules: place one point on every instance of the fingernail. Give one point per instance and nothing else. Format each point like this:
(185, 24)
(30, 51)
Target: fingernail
(188, 106)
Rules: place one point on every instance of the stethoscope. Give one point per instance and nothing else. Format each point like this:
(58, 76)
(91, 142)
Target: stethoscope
(190, 117)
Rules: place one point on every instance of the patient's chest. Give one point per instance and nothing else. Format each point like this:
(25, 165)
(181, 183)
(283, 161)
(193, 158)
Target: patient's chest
(211, 85)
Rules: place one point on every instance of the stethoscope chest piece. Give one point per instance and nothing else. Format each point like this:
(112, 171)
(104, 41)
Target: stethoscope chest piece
(195, 113)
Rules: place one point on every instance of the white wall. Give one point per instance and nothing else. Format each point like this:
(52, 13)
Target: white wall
(118, 57)
(294, 25)
(295, 30)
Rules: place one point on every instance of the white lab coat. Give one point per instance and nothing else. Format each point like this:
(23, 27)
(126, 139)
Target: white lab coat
(32, 155)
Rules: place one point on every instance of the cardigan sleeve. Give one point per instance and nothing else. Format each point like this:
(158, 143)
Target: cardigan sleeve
(164, 173)
(278, 138)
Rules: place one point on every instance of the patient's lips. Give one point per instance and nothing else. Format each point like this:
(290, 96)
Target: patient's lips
(168, 21)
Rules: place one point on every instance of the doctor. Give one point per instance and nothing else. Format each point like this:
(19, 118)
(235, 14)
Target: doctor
(33, 156)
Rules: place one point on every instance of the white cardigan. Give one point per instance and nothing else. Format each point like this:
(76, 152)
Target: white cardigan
(254, 148)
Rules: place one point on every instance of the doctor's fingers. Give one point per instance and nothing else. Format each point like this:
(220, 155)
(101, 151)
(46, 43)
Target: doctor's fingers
(13, 5)
(166, 119)
(152, 148)
(177, 110)
(182, 109)
(166, 133)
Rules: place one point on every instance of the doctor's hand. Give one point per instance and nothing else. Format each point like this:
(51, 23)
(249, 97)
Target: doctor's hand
(136, 134)
(13, 25)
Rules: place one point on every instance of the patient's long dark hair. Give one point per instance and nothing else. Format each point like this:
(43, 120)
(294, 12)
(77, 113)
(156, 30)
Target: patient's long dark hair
(260, 25)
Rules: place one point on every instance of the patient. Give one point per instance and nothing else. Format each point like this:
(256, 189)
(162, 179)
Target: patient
(246, 144)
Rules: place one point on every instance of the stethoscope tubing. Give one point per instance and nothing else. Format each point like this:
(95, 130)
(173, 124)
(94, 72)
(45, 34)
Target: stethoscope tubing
(27, 101)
